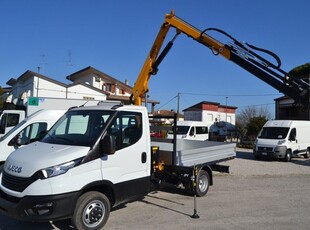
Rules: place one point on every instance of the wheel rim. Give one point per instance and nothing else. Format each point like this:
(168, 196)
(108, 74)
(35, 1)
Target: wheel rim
(203, 183)
(93, 213)
(288, 156)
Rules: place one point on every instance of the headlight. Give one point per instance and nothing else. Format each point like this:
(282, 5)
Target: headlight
(281, 142)
(58, 169)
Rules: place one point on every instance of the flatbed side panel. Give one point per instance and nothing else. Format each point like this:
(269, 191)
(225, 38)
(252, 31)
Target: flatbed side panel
(202, 155)
(191, 152)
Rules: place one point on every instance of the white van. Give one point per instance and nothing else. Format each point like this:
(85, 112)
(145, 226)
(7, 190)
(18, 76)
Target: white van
(283, 139)
(191, 130)
(28, 131)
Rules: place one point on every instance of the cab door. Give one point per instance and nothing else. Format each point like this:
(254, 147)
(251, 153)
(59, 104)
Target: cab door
(191, 133)
(293, 141)
(128, 168)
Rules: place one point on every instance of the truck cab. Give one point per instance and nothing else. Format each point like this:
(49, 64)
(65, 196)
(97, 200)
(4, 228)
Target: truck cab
(9, 119)
(102, 149)
(27, 131)
(283, 139)
(191, 130)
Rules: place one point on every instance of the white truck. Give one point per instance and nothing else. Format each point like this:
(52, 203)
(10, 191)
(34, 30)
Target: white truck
(95, 158)
(10, 118)
(191, 130)
(27, 131)
(283, 139)
(42, 114)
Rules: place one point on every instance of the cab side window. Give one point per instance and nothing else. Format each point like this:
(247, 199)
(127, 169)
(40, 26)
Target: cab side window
(8, 120)
(127, 129)
(292, 136)
(12, 120)
(202, 130)
(32, 133)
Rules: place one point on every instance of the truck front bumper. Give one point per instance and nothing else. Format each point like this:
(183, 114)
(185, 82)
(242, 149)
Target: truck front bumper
(38, 208)
(277, 153)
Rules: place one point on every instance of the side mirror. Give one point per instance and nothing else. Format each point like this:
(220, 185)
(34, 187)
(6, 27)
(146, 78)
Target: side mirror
(15, 141)
(108, 145)
(41, 134)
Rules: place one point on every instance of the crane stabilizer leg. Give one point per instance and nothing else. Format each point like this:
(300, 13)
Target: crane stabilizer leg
(195, 184)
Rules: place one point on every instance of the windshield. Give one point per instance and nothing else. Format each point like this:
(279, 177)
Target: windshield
(80, 128)
(181, 130)
(273, 133)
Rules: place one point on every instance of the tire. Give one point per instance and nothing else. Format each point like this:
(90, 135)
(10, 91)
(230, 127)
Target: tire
(257, 157)
(288, 156)
(91, 212)
(306, 155)
(203, 182)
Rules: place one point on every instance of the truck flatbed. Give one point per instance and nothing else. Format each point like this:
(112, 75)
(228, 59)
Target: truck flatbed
(192, 152)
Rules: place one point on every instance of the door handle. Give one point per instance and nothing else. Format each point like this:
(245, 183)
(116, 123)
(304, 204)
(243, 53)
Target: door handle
(143, 157)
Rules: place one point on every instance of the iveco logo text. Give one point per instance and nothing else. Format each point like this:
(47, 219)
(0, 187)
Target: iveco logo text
(14, 168)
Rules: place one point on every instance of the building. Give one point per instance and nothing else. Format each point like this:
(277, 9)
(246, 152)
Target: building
(31, 84)
(211, 112)
(286, 108)
(114, 89)
(88, 84)
(222, 118)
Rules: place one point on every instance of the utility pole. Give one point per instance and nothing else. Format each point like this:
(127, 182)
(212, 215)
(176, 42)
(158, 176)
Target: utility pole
(226, 118)
(178, 107)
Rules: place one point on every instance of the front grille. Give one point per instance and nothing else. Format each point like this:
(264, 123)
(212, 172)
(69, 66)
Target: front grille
(17, 184)
(265, 149)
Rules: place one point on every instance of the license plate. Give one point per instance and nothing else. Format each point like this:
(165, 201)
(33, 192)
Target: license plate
(265, 154)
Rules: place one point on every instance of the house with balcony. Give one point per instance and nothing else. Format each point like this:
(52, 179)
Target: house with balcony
(87, 84)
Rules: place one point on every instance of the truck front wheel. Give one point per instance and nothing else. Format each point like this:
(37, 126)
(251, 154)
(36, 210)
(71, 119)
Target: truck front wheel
(288, 156)
(306, 155)
(92, 211)
(203, 182)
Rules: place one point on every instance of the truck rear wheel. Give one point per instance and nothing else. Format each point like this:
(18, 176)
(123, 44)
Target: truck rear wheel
(92, 211)
(203, 182)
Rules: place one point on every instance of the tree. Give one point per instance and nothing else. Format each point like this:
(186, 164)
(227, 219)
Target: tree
(254, 126)
(243, 119)
(301, 70)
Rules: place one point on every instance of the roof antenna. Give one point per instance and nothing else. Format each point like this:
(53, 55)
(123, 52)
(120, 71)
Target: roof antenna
(69, 61)
(42, 62)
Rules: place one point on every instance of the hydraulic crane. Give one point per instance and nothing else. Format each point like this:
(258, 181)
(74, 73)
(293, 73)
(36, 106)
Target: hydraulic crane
(242, 54)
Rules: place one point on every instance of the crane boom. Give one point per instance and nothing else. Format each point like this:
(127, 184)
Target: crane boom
(244, 55)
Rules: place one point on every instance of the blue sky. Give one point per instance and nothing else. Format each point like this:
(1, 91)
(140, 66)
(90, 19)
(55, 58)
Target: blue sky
(114, 36)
